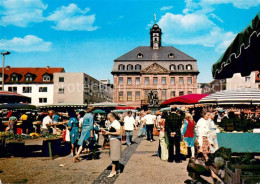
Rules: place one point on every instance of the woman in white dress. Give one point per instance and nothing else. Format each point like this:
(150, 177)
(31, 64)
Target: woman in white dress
(114, 133)
(202, 129)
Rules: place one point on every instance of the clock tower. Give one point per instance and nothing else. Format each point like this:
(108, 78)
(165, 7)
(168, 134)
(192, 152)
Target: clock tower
(155, 37)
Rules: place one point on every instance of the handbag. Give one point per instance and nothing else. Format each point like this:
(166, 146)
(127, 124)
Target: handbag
(67, 137)
(155, 132)
(123, 136)
(184, 147)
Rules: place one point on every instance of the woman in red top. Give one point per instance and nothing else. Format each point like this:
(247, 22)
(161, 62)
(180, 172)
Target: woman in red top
(189, 132)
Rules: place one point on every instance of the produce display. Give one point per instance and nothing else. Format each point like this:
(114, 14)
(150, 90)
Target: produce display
(246, 159)
(236, 125)
(11, 136)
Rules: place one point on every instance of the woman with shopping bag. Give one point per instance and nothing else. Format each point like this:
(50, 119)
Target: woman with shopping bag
(189, 134)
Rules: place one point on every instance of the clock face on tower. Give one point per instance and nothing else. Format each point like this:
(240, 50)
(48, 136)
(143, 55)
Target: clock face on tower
(155, 45)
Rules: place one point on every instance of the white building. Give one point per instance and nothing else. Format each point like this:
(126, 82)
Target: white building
(80, 88)
(36, 83)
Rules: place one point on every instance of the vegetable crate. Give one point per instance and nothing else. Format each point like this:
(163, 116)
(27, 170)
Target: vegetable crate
(242, 174)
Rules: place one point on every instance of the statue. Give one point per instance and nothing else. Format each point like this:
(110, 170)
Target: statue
(153, 98)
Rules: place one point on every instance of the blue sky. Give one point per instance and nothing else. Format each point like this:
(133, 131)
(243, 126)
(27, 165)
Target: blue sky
(87, 35)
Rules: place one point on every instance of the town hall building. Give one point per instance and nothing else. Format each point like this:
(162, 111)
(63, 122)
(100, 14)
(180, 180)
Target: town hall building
(165, 70)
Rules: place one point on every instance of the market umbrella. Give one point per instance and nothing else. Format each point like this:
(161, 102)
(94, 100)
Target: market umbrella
(125, 108)
(99, 111)
(63, 105)
(165, 109)
(106, 104)
(16, 106)
(122, 111)
(185, 99)
(242, 56)
(11, 97)
(244, 96)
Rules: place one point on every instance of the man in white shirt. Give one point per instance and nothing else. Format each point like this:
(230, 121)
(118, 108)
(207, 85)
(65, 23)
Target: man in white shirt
(46, 122)
(150, 123)
(129, 124)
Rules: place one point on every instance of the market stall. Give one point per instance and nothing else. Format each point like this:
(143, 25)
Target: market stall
(242, 56)
(11, 97)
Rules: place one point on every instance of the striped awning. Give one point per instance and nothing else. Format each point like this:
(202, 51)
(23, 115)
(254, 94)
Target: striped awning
(245, 96)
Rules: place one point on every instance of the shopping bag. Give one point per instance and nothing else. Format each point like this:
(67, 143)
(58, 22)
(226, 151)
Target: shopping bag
(184, 148)
(123, 137)
(67, 137)
(155, 132)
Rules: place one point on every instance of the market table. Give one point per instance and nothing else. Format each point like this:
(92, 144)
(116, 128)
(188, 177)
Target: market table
(240, 142)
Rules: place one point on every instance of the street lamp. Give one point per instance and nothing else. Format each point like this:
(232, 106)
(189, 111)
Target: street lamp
(3, 71)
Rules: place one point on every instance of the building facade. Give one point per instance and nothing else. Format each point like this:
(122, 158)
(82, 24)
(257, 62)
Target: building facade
(80, 88)
(235, 83)
(164, 69)
(36, 83)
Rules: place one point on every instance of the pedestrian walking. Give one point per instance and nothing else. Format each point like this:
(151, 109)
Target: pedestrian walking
(86, 132)
(189, 134)
(143, 126)
(129, 124)
(150, 124)
(114, 133)
(73, 126)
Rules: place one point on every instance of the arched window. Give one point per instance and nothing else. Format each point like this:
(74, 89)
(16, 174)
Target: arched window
(171, 55)
(138, 67)
(121, 67)
(172, 67)
(188, 67)
(140, 55)
(180, 67)
(130, 67)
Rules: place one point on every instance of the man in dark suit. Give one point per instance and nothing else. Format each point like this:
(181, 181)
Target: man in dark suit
(173, 125)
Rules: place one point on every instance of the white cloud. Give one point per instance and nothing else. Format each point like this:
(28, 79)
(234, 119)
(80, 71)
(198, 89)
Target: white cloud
(71, 17)
(193, 29)
(166, 8)
(29, 43)
(214, 16)
(208, 5)
(21, 12)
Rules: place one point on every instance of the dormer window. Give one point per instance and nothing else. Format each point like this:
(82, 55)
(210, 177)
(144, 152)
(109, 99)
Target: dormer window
(121, 67)
(140, 55)
(137, 67)
(180, 67)
(188, 67)
(46, 78)
(28, 78)
(172, 67)
(14, 78)
(130, 67)
(171, 55)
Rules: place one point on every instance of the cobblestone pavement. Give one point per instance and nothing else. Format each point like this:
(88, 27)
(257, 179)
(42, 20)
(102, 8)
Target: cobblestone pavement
(138, 163)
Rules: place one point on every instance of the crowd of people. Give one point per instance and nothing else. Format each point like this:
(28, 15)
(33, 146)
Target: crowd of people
(194, 127)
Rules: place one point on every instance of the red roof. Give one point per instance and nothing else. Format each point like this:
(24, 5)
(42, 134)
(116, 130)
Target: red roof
(185, 99)
(7, 93)
(37, 74)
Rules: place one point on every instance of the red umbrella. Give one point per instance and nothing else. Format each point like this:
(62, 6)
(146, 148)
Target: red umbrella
(185, 99)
